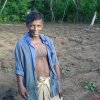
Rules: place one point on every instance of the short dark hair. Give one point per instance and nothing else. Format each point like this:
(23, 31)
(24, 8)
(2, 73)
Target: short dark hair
(34, 15)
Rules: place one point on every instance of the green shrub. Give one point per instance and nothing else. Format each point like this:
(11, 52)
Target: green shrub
(15, 10)
(90, 85)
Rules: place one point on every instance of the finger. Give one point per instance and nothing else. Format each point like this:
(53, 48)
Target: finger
(26, 93)
(24, 96)
(60, 95)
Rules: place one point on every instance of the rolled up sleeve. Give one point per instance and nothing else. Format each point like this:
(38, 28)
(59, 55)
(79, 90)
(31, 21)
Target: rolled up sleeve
(18, 61)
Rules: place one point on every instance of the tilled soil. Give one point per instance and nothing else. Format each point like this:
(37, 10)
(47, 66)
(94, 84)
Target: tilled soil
(78, 50)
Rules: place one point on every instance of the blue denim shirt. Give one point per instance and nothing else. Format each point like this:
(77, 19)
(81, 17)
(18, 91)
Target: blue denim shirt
(25, 58)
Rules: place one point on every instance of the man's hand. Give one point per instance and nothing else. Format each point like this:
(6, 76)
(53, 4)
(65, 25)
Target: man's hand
(60, 95)
(57, 69)
(21, 88)
(23, 92)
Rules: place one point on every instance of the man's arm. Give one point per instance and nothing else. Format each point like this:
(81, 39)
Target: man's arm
(57, 69)
(56, 63)
(19, 71)
(21, 88)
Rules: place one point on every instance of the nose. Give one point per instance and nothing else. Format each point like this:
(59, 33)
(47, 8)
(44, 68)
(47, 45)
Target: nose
(35, 28)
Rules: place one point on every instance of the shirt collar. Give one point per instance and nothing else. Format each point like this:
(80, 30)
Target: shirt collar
(29, 39)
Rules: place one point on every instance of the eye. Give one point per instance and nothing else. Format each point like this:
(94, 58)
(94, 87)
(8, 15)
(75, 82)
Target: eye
(39, 25)
(31, 25)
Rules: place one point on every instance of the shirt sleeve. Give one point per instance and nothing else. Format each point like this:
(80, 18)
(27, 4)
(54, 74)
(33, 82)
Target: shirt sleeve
(18, 61)
(54, 55)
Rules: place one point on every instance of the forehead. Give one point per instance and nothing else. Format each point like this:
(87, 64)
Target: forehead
(40, 22)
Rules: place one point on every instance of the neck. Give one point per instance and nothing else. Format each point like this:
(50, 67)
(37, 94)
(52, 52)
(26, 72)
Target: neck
(35, 37)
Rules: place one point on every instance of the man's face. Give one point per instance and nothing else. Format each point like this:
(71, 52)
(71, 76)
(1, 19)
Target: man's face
(35, 27)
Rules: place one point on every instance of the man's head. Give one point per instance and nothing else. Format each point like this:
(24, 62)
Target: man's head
(32, 16)
(34, 22)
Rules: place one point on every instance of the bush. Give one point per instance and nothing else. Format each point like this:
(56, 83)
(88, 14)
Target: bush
(87, 9)
(16, 10)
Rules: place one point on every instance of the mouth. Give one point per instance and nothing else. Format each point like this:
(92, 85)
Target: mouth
(34, 34)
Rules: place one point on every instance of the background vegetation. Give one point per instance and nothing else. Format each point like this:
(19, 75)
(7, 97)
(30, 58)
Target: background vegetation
(53, 10)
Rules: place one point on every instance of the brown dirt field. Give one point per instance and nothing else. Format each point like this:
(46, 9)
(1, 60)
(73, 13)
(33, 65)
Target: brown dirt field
(78, 50)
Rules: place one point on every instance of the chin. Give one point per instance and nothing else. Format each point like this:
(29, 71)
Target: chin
(35, 35)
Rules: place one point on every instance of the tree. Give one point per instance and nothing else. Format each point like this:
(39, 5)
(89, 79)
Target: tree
(3, 6)
(13, 11)
(52, 13)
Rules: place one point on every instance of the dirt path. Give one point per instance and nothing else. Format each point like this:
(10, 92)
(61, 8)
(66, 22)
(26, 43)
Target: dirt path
(78, 51)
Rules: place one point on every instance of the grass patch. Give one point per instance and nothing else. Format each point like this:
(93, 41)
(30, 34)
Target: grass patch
(65, 72)
(7, 70)
(89, 85)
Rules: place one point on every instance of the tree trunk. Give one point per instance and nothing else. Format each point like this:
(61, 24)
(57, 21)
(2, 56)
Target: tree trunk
(77, 4)
(52, 13)
(93, 20)
(94, 17)
(64, 12)
(3, 6)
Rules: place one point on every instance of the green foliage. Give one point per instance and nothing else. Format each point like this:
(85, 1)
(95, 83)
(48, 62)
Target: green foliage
(65, 72)
(44, 7)
(7, 70)
(98, 10)
(58, 8)
(87, 9)
(16, 10)
(90, 85)
(71, 11)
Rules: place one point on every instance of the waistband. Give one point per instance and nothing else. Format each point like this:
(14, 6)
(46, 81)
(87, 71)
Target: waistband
(42, 78)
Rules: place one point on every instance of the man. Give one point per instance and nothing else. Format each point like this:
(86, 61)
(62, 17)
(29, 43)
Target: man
(37, 70)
